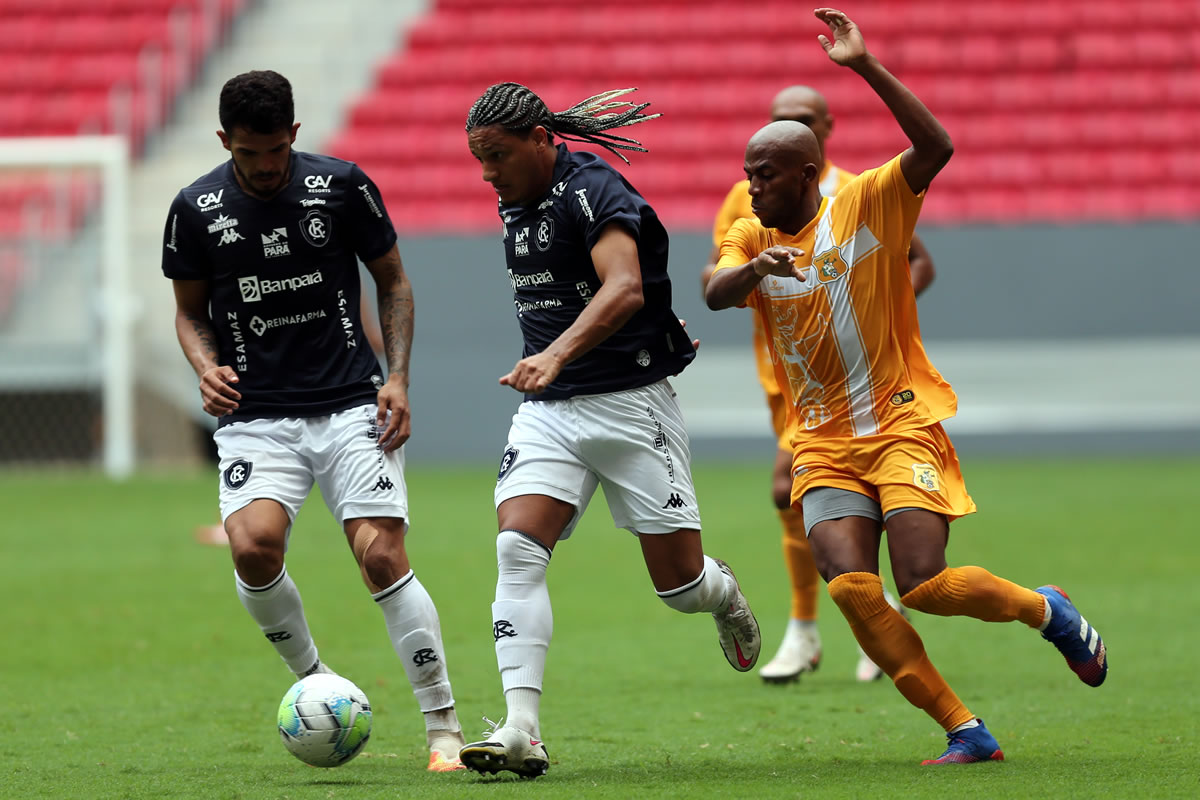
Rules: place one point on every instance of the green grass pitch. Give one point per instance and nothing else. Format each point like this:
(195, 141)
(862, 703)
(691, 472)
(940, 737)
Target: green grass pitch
(128, 669)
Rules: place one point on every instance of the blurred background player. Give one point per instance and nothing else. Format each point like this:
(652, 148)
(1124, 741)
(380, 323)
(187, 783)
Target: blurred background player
(829, 279)
(800, 650)
(263, 256)
(587, 260)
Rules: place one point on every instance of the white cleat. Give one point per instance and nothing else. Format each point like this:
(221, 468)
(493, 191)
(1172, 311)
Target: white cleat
(867, 670)
(507, 748)
(799, 652)
(318, 668)
(737, 628)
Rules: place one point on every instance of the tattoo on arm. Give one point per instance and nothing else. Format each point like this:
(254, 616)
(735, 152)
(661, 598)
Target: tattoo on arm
(395, 312)
(205, 336)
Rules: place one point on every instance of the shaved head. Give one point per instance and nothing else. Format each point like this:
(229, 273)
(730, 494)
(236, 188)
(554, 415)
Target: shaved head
(792, 144)
(807, 106)
(783, 164)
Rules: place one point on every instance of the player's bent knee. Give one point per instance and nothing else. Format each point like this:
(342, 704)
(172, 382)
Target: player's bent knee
(257, 562)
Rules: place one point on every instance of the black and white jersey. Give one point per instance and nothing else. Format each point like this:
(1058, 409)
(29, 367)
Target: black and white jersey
(547, 246)
(284, 282)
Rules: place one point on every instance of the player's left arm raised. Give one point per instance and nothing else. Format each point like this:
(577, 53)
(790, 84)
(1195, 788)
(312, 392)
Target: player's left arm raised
(615, 258)
(396, 324)
(931, 146)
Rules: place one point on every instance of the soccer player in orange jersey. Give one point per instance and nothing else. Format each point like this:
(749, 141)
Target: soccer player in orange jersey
(829, 280)
(800, 650)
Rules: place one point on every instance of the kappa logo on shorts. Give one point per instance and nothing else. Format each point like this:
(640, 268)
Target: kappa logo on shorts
(506, 461)
(925, 476)
(675, 501)
(384, 484)
(237, 473)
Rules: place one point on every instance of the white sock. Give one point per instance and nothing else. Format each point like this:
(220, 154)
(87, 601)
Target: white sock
(522, 624)
(416, 635)
(973, 723)
(279, 612)
(711, 591)
(806, 628)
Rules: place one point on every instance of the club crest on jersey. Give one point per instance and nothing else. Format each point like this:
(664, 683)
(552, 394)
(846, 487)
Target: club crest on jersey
(275, 243)
(506, 462)
(925, 476)
(315, 227)
(544, 234)
(829, 265)
(237, 473)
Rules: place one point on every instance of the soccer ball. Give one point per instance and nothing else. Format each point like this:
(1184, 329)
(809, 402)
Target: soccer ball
(324, 720)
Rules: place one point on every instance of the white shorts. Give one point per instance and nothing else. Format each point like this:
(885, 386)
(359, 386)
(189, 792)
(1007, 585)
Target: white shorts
(279, 459)
(633, 443)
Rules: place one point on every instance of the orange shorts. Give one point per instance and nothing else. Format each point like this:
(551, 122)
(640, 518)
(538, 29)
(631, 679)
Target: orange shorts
(912, 469)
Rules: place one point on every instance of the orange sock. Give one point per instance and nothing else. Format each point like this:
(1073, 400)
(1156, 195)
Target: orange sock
(975, 592)
(800, 565)
(892, 643)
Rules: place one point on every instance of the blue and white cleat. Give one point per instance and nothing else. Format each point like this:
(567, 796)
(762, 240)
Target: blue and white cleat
(969, 746)
(1074, 637)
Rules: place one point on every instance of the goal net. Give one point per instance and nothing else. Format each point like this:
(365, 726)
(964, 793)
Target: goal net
(66, 309)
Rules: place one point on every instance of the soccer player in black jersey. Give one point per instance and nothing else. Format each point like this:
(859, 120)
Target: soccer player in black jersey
(587, 260)
(263, 255)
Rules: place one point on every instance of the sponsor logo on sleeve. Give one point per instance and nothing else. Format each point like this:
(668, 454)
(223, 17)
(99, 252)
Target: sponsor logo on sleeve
(584, 205)
(370, 198)
(174, 225)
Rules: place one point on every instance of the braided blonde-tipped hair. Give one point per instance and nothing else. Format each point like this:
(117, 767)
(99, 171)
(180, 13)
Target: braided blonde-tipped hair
(518, 110)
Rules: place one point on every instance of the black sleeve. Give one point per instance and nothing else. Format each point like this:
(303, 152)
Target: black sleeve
(371, 231)
(598, 199)
(184, 255)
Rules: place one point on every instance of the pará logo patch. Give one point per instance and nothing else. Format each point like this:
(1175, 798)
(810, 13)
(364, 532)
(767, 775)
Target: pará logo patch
(925, 476)
(237, 473)
(544, 234)
(506, 462)
(829, 265)
(900, 398)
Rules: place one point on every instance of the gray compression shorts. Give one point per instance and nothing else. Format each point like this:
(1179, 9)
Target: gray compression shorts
(826, 502)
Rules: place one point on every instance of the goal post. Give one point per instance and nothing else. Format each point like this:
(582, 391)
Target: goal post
(113, 301)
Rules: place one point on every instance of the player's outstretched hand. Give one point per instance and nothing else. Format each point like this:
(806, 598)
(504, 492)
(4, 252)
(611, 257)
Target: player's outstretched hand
(847, 47)
(217, 392)
(779, 261)
(533, 375)
(393, 417)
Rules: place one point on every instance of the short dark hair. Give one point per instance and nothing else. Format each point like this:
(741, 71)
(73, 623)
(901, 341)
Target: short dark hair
(259, 101)
(518, 110)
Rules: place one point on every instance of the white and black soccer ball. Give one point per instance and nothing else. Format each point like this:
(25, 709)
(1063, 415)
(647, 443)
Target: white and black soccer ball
(324, 720)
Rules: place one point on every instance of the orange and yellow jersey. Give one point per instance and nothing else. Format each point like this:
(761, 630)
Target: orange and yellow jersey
(737, 206)
(845, 342)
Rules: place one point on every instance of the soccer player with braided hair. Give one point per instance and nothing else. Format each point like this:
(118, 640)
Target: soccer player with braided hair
(587, 260)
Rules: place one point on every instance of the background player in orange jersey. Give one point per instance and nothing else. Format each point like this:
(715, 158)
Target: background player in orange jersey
(828, 279)
(800, 650)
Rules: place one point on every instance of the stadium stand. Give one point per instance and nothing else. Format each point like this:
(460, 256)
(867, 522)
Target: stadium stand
(71, 67)
(1060, 112)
